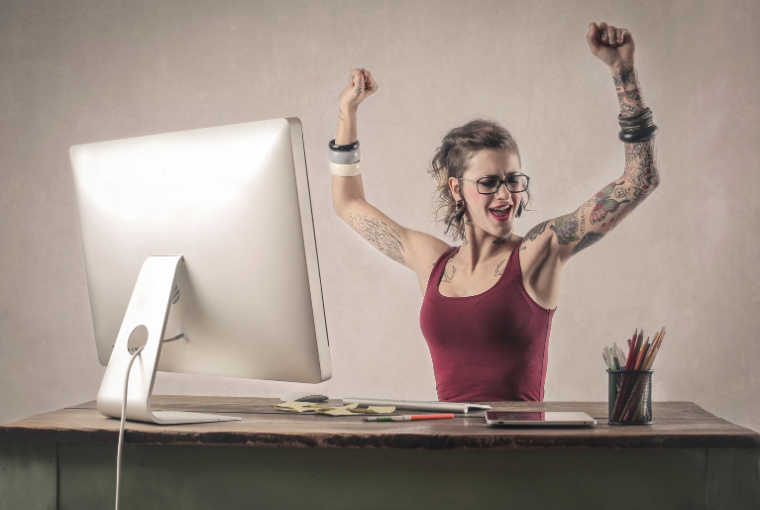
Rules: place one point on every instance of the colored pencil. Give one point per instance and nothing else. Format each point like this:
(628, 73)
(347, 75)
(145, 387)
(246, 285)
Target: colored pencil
(619, 398)
(628, 366)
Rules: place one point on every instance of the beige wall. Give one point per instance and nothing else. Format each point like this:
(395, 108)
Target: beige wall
(79, 72)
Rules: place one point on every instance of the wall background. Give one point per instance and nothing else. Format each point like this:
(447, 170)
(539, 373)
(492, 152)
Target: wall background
(85, 71)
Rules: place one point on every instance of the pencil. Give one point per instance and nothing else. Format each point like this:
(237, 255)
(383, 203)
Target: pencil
(648, 357)
(634, 413)
(640, 357)
(630, 348)
(653, 350)
(636, 386)
(647, 363)
(651, 362)
(630, 381)
(620, 399)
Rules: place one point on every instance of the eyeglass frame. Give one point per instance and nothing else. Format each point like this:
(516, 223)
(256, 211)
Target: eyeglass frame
(501, 181)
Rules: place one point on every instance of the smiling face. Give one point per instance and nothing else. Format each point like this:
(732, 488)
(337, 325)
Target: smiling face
(494, 214)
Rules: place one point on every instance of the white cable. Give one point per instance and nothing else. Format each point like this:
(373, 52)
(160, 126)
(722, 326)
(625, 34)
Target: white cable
(121, 428)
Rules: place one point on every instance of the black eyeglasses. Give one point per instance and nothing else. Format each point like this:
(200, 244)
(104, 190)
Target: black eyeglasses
(490, 184)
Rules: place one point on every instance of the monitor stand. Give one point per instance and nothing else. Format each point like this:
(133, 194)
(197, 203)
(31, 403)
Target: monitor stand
(148, 309)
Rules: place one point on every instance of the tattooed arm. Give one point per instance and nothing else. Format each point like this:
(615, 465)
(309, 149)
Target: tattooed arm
(596, 217)
(415, 250)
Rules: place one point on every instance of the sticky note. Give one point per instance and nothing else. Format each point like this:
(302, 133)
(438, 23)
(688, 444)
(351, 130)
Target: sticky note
(294, 407)
(335, 411)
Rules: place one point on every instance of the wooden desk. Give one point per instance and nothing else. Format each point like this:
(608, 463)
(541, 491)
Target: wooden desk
(688, 459)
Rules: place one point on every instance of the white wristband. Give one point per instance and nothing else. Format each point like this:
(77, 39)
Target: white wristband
(345, 170)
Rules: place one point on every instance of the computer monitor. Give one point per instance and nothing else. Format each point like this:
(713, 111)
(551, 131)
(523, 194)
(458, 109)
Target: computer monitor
(204, 237)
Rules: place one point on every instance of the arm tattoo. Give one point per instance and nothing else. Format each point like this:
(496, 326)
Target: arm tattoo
(641, 166)
(379, 234)
(628, 91)
(499, 268)
(628, 95)
(624, 77)
(604, 204)
(340, 113)
(582, 211)
(565, 227)
(627, 110)
(533, 233)
(618, 199)
(587, 241)
(447, 277)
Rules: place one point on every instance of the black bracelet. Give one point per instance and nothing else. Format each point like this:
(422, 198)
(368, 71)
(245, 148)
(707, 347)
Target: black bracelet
(637, 124)
(638, 127)
(635, 118)
(343, 148)
(638, 136)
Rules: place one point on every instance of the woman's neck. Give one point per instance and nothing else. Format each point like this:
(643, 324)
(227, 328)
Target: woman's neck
(479, 246)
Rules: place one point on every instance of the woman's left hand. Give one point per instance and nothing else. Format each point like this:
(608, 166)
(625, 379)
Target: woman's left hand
(612, 45)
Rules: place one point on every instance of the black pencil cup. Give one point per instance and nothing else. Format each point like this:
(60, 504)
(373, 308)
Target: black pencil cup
(630, 397)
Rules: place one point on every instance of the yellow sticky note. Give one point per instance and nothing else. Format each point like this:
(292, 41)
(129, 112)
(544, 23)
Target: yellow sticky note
(294, 407)
(336, 411)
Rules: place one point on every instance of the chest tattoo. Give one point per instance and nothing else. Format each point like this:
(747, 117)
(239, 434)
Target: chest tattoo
(449, 275)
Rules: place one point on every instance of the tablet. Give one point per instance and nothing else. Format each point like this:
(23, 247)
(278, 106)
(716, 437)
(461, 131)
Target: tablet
(535, 419)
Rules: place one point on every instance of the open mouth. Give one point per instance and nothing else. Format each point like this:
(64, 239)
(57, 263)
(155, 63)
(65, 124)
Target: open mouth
(501, 213)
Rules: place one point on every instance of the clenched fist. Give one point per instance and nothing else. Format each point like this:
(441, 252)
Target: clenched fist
(360, 86)
(613, 46)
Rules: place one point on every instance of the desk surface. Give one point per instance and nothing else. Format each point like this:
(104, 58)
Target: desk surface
(676, 425)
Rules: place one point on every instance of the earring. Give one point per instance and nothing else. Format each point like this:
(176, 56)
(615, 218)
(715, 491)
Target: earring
(519, 210)
(460, 213)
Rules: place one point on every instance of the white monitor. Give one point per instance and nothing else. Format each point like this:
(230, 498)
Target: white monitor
(216, 223)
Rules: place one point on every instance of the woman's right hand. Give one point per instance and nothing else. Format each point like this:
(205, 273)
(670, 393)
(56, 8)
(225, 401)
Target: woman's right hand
(360, 86)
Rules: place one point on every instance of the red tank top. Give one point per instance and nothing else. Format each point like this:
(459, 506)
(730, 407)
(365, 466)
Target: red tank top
(489, 347)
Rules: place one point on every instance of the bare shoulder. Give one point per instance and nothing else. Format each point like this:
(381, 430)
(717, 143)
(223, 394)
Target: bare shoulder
(427, 250)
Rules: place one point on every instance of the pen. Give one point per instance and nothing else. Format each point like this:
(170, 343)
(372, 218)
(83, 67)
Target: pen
(621, 356)
(630, 350)
(615, 357)
(411, 417)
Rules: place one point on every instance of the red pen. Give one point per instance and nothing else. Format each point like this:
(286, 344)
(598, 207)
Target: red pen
(411, 417)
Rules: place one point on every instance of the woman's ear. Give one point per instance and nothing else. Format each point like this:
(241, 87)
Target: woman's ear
(454, 185)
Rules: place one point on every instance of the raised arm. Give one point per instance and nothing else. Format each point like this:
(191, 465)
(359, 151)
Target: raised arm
(571, 233)
(413, 249)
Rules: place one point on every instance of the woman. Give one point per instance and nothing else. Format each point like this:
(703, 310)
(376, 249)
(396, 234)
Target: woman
(488, 304)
